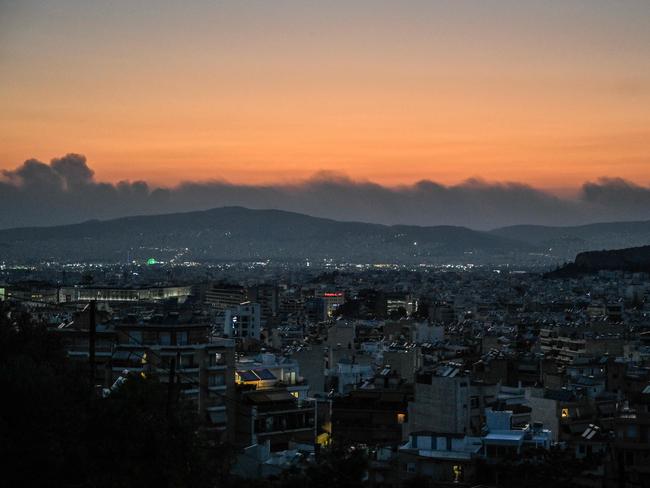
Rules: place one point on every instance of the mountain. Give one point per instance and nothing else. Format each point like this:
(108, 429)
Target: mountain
(633, 259)
(236, 233)
(241, 234)
(566, 242)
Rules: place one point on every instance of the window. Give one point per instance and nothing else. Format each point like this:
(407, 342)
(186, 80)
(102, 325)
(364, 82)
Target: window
(217, 380)
(401, 418)
(165, 338)
(217, 417)
(187, 361)
(631, 432)
(181, 338)
(135, 337)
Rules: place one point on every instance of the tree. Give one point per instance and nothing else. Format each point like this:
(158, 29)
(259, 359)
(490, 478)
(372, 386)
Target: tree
(54, 431)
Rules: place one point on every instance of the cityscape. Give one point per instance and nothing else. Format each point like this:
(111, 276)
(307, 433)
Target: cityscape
(297, 244)
(440, 375)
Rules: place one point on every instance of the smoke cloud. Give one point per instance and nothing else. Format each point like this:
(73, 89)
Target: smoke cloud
(66, 191)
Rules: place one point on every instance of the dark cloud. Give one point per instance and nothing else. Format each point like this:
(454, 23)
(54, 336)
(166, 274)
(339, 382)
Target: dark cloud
(622, 199)
(34, 175)
(73, 169)
(616, 192)
(65, 191)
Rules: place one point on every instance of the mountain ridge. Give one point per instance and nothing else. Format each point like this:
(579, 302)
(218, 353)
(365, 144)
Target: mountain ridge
(240, 233)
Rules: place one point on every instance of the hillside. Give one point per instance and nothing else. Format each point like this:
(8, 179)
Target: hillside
(634, 259)
(236, 233)
(566, 242)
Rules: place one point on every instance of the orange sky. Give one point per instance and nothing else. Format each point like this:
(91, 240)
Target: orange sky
(393, 92)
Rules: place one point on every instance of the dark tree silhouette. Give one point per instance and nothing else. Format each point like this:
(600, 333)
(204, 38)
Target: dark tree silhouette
(54, 431)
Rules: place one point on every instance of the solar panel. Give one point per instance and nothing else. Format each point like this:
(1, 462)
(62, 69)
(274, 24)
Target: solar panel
(265, 374)
(247, 375)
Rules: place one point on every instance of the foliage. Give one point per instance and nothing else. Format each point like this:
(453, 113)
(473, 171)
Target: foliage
(337, 466)
(536, 469)
(54, 431)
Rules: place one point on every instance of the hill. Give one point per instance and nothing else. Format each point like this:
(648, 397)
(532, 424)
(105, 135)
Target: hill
(236, 233)
(634, 259)
(566, 242)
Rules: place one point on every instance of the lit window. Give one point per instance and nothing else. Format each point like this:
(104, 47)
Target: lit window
(565, 413)
(401, 418)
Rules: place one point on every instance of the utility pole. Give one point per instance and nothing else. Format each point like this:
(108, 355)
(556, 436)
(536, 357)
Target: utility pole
(171, 386)
(92, 333)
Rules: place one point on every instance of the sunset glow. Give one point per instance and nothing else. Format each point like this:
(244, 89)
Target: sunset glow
(390, 92)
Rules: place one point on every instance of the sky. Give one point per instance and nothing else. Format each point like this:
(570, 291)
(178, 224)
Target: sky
(550, 94)
(372, 98)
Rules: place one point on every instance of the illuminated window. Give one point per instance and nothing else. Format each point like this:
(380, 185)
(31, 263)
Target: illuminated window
(295, 394)
(565, 413)
(458, 472)
(323, 439)
(401, 418)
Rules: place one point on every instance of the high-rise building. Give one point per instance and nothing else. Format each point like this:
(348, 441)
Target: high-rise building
(243, 321)
(201, 367)
(268, 298)
(222, 296)
(332, 300)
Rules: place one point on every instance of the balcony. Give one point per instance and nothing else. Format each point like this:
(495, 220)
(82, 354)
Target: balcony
(217, 367)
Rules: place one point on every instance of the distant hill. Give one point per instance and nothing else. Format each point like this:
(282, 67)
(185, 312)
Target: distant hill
(566, 242)
(241, 234)
(634, 259)
(236, 233)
